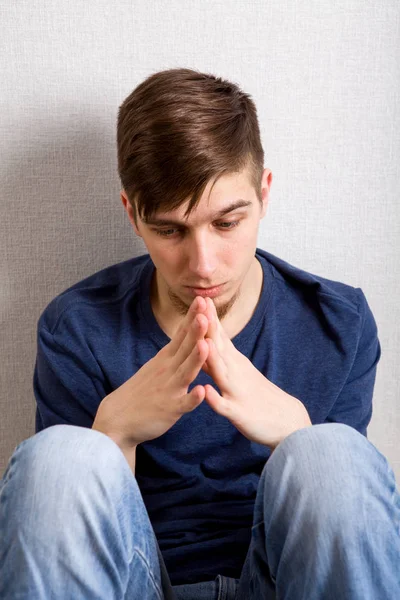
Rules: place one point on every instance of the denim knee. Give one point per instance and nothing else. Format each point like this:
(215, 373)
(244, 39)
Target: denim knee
(332, 468)
(71, 514)
(67, 479)
(64, 458)
(329, 445)
(66, 447)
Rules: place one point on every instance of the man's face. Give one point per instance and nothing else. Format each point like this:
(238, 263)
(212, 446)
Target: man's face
(207, 253)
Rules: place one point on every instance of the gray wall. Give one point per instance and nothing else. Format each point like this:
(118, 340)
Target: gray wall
(326, 78)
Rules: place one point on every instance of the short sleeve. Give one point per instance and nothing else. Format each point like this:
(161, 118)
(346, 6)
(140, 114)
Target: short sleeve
(68, 382)
(354, 403)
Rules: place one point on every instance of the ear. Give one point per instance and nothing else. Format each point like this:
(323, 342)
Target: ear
(266, 182)
(130, 212)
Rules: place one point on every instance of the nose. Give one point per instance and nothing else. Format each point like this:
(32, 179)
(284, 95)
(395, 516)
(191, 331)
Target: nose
(202, 259)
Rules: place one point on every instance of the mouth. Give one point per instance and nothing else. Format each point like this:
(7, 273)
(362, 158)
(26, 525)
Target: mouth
(210, 292)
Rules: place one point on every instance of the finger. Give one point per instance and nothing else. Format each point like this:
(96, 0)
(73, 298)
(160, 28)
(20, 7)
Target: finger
(215, 317)
(215, 331)
(196, 396)
(220, 338)
(198, 306)
(206, 369)
(190, 368)
(196, 332)
(210, 314)
(190, 401)
(216, 365)
(210, 308)
(213, 399)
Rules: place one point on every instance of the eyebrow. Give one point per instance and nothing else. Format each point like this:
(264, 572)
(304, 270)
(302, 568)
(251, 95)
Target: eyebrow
(218, 215)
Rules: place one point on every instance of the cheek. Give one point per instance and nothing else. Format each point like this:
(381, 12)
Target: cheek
(167, 260)
(245, 240)
(243, 248)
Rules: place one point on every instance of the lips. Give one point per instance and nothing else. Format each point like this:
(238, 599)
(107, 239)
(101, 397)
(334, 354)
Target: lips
(210, 292)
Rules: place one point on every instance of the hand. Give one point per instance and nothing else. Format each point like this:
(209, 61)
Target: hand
(152, 400)
(260, 410)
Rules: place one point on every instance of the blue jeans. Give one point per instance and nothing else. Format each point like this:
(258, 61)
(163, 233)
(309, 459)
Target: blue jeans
(73, 524)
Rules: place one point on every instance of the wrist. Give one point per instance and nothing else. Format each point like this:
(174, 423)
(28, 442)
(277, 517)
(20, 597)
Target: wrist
(303, 420)
(128, 448)
(106, 423)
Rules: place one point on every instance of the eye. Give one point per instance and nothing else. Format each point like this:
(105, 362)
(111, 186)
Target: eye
(165, 232)
(173, 231)
(228, 224)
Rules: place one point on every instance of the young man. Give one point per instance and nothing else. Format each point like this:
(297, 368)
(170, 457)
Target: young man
(201, 410)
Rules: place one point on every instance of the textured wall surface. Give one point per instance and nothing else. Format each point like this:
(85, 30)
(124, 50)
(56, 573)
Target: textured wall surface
(326, 80)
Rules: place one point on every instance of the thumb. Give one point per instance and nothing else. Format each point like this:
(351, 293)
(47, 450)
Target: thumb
(195, 397)
(215, 400)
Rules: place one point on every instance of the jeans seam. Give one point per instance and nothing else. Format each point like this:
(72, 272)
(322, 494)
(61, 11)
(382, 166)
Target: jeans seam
(221, 594)
(142, 557)
(394, 494)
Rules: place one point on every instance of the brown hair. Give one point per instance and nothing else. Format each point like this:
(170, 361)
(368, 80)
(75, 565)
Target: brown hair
(178, 130)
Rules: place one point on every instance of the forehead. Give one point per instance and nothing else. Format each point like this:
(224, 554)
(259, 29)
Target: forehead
(228, 190)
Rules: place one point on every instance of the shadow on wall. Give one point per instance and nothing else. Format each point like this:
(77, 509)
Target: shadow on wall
(61, 219)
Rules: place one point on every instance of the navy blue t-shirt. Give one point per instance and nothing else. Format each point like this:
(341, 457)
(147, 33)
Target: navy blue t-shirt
(313, 337)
